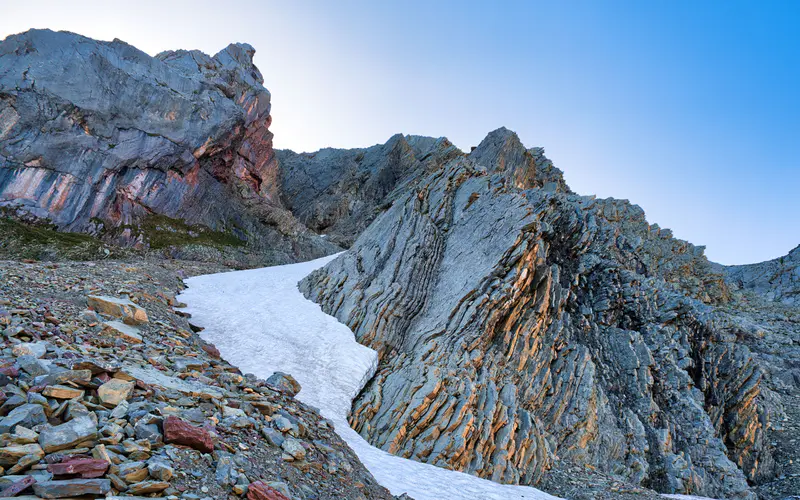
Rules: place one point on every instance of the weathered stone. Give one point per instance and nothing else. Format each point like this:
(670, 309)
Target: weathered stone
(130, 312)
(294, 448)
(62, 392)
(26, 415)
(72, 488)
(10, 455)
(115, 391)
(146, 487)
(520, 326)
(35, 349)
(178, 431)
(160, 470)
(68, 435)
(285, 383)
(33, 366)
(86, 468)
(260, 490)
(18, 487)
(123, 331)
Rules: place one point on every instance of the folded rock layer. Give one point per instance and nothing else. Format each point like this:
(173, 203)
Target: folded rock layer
(521, 326)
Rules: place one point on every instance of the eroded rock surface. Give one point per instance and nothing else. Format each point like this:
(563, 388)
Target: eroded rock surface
(523, 329)
(100, 137)
(776, 280)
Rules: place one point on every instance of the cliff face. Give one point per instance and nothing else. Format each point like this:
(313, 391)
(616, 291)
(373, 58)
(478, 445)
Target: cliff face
(522, 327)
(339, 192)
(96, 136)
(776, 280)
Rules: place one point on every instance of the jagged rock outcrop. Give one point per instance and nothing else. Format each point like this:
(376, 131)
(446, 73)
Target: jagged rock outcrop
(775, 280)
(339, 192)
(521, 327)
(98, 136)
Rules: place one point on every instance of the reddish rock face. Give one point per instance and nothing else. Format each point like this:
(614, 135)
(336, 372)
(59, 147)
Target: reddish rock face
(212, 350)
(87, 468)
(179, 431)
(262, 491)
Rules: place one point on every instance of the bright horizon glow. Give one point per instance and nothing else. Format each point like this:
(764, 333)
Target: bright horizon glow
(690, 110)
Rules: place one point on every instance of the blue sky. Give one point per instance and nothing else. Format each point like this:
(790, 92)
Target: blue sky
(689, 109)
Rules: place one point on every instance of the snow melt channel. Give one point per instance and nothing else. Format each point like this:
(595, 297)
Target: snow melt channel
(260, 322)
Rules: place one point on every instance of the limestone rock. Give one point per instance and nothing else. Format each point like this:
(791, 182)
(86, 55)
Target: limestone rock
(100, 137)
(115, 391)
(285, 382)
(10, 455)
(72, 488)
(776, 280)
(125, 309)
(68, 434)
(522, 327)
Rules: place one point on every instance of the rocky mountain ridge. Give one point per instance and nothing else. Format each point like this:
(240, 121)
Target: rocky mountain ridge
(526, 334)
(524, 329)
(99, 137)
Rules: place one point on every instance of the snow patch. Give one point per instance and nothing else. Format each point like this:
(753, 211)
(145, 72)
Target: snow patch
(260, 322)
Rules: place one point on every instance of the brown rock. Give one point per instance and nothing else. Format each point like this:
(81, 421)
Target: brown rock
(178, 431)
(145, 487)
(62, 392)
(115, 391)
(87, 468)
(259, 490)
(72, 488)
(129, 312)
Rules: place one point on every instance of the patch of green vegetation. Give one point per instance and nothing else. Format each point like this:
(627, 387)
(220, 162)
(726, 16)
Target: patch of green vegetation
(162, 232)
(40, 241)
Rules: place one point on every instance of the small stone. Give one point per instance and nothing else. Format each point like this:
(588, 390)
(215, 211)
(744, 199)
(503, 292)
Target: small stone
(24, 463)
(260, 490)
(87, 468)
(130, 313)
(115, 391)
(285, 383)
(62, 392)
(69, 434)
(26, 415)
(160, 471)
(33, 366)
(146, 487)
(293, 447)
(10, 455)
(35, 349)
(181, 432)
(72, 488)
(17, 487)
(123, 331)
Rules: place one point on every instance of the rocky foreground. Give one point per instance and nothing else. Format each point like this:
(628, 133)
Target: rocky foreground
(107, 390)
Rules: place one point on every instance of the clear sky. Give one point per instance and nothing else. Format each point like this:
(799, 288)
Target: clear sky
(689, 109)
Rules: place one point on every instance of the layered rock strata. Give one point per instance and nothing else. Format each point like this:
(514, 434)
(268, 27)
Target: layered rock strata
(521, 327)
(98, 136)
